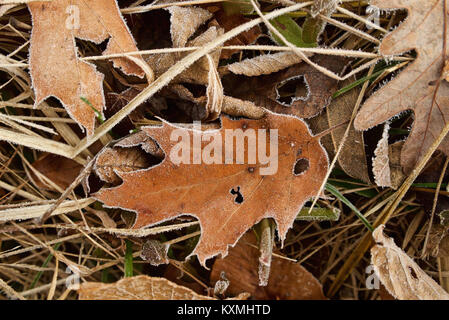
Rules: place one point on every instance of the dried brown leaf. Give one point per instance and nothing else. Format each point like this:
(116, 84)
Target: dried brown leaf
(230, 21)
(169, 190)
(352, 158)
(56, 69)
(60, 170)
(400, 275)
(396, 173)
(288, 280)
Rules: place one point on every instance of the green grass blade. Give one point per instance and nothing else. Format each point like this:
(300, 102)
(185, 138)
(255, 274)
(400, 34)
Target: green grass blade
(343, 199)
(129, 259)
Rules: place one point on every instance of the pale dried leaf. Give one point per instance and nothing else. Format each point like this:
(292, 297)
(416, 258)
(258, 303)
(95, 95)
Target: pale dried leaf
(324, 7)
(6, 7)
(418, 87)
(265, 64)
(198, 73)
(445, 74)
(106, 220)
(381, 160)
(184, 21)
(400, 275)
(221, 285)
(214, 91)
(138, 288)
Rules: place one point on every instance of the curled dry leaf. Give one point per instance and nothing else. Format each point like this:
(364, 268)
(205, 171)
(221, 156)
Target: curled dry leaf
(288, 280)
(214, 92)
(137, 288)
(387, 167)
(381, 160)
(155, 252)
(352, 158)
(400, 275)
(203, 72)
(241, 108)
(56, 69)
(265, 64)
(419, 87)
(127, 155)
(184, 21)
(227, 198)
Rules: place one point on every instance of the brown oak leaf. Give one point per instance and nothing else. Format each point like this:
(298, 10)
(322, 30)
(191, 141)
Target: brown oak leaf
(56, 69)
(419, 86)
(227, 199)
(60, 170)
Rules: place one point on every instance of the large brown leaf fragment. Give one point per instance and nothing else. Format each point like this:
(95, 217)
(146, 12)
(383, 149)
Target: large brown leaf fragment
(227, 199)
(56, 69)
(419, 87)
(288, 280)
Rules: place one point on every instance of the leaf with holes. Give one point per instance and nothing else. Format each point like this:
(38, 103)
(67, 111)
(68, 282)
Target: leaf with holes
(56, 69)
(229, 178)
(419, 87)
(299, 90)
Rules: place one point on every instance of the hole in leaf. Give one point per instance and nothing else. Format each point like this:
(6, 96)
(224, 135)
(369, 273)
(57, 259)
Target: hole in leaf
(301, 166)
(239, 197)
(291, 90)
(413, 273)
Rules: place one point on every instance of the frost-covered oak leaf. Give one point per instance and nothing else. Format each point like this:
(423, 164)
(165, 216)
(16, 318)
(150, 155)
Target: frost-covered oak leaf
(56, 69)
(418, 87)
(227, 197)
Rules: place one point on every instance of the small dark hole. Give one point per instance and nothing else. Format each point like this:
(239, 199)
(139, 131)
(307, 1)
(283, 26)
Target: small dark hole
(291, 90)
(301, 166)
(239, 198)
(413, 273)
(433, 83)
